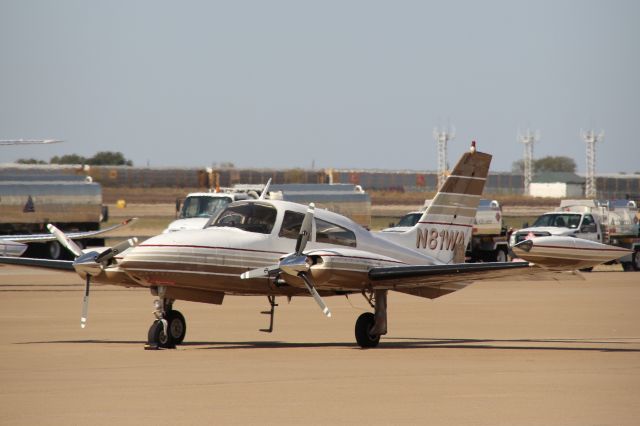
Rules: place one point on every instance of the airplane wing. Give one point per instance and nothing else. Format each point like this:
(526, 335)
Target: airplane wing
(40, 238)
(432, 281)
(66, 265)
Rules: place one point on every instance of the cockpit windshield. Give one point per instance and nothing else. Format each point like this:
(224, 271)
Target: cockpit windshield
(251, 217)
(203, 206)
(560, 220)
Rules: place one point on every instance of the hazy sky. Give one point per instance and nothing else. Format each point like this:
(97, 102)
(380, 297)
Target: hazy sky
(356, 84)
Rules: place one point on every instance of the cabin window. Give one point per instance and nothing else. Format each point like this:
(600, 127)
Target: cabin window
(291, 224)
(330, 233)
(251, 217)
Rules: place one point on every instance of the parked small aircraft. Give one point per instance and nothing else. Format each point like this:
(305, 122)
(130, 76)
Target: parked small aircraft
(29, 141)
(247, 250)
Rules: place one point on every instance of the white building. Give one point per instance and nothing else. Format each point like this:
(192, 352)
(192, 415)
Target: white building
(557, 185)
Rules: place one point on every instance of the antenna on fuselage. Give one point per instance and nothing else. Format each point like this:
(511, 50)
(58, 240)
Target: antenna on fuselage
(265, 191)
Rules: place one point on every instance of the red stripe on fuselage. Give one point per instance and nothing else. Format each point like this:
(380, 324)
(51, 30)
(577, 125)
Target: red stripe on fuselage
(211, 248)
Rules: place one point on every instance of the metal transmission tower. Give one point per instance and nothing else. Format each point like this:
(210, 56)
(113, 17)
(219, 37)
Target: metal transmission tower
(442, 137)
(591, 138)
(528, 139)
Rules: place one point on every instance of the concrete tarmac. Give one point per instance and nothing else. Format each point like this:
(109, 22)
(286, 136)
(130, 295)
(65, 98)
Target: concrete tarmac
(508, 353)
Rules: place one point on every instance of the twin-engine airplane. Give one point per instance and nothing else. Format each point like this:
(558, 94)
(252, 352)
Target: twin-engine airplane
(246, 250)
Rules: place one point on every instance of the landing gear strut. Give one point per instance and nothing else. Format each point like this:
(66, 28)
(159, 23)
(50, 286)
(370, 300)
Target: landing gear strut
(271, 313)
(169, 328)
(369, 327)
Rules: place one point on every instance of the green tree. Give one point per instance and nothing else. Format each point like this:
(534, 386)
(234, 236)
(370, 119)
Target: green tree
(109, 158)
(30, 161)
(554, 164)
(68, 159)
(547, 164)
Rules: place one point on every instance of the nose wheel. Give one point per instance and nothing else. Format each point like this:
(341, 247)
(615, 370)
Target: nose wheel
(167, 332)
(169, 328)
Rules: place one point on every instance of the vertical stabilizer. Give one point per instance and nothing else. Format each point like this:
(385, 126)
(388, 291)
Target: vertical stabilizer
(445, 227)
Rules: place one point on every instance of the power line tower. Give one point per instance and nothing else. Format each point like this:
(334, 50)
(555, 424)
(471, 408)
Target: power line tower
(591, 139)
(442, 137)
(528, 139)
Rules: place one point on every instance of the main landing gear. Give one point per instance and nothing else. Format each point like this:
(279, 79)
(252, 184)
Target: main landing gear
(169, 328)
(370, 326)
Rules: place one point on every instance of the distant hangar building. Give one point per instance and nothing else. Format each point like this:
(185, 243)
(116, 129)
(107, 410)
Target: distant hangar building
(557, 185)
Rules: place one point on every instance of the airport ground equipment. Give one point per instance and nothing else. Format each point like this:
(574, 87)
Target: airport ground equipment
(612, 222)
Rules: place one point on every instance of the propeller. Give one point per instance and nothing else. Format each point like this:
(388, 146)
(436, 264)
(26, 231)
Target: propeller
(90, 264)
(296, 264)
(66, 242)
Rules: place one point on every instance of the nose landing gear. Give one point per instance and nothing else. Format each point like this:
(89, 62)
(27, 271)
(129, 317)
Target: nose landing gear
(169, 328)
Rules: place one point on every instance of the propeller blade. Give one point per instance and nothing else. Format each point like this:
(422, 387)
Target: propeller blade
(316, 296)
(85, 302)
(65, 241)
(110, 253)
(261, 272)
(305, 230)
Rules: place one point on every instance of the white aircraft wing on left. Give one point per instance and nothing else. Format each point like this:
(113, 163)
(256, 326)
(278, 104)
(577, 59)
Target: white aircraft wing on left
(15, 245)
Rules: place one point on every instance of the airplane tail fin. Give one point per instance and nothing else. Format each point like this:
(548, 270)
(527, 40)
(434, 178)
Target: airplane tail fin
(444, 230)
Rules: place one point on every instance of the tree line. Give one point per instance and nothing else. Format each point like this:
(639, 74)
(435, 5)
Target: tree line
(102, 158)
(547, 164)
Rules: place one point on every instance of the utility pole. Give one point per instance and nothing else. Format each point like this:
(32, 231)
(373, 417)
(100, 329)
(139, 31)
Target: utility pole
(528, 139)
(442, 137)
(591, 139)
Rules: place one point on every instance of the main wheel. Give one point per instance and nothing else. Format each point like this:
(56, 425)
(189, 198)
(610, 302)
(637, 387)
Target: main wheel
(501, 255)
(364, 325)
(635, 260)
(177, 326)
(54, 250)
(157, 336)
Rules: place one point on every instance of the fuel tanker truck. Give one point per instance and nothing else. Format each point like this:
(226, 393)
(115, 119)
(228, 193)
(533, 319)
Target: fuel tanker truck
(31, 198)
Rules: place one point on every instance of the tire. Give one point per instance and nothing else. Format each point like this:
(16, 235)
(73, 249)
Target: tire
(54, 250)
(157, 337)
(501, 255)
(364, 324)
(177, 326)
(627, 266)
(635, 260)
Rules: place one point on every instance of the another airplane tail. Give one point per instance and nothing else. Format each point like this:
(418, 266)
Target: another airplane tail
(444, 230)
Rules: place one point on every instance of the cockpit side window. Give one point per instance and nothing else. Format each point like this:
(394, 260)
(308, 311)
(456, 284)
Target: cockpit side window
(291, 224)
(330, 233)
(250, 217)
